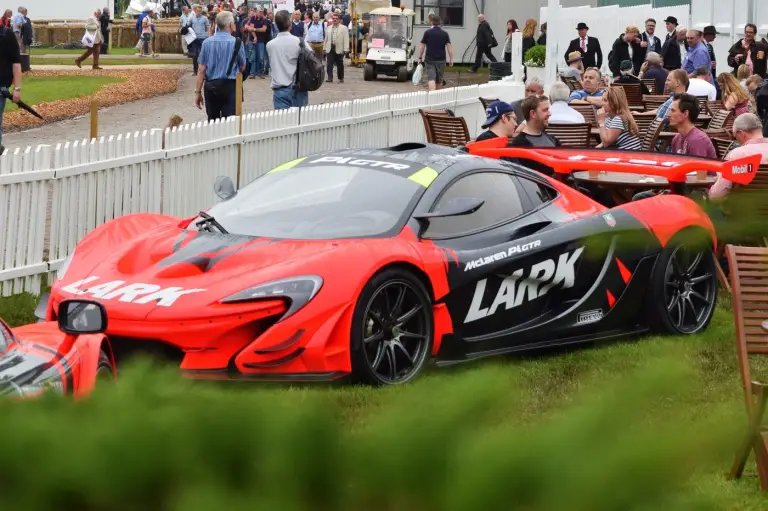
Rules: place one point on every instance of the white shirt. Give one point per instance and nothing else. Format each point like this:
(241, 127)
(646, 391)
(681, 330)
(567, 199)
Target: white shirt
(561, 113)
(699, 87)
(651, 42)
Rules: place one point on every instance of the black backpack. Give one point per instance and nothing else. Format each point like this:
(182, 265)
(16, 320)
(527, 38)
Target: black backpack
(310, 74)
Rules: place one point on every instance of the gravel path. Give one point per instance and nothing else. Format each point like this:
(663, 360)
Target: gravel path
(154, 113)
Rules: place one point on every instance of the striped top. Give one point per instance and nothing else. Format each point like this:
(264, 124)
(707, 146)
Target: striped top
(626, 140)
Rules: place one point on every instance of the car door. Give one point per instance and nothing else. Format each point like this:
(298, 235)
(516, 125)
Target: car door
(514, 261)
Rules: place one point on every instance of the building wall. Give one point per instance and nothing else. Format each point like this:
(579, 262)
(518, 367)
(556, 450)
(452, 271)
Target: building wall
(497, 12)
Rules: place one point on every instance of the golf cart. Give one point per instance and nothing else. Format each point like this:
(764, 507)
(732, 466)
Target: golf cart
(390, 51)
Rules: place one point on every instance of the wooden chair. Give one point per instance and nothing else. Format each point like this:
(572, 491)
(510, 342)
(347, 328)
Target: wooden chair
(651, 135)
(571, 135)
(652, 102)
(723, 146)
(720, 120)
(749, 278)
(587, 111)
(443, 128)
(633, 94)
(487, 101)
(702, 103)
(714, 106)
(644, 121)
(572, 83)
(651, 84)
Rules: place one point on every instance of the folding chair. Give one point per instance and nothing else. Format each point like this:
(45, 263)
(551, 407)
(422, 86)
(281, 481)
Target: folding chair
(749, 277)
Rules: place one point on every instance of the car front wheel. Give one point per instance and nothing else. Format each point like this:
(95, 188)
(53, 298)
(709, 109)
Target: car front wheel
(392, 329)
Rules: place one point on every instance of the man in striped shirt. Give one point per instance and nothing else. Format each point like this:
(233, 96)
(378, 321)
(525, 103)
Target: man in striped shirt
(215, 56)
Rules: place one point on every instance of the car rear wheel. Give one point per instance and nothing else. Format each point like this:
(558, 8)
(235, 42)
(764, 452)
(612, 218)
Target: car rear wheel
(684, 287)
(392, 329)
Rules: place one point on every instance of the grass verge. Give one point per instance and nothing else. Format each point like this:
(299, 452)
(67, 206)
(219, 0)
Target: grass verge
(117, 86)
(635, 425)
(43, 89)
(45, 50)
(108, 63)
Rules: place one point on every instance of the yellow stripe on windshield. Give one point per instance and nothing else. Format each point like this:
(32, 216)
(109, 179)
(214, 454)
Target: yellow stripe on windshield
(286, 166)
(424, 176)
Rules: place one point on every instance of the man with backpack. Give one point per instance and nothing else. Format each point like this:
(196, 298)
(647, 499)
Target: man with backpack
(222, 57)
(295, 69)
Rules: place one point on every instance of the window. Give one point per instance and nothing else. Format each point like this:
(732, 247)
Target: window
(539, 194)
(451, 12)
(320, 203)
(502, 203)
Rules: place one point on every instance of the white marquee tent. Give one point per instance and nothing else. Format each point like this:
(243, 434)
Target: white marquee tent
(58, 9)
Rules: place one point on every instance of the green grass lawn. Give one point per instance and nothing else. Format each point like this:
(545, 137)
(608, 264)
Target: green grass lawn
(526, 407)
(41, 89)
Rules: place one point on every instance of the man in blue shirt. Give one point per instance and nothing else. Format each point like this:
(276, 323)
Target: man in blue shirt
(698, 54)
(220, 80)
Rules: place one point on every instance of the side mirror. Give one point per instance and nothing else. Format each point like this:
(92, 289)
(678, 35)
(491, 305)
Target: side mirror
(224, 188)
(82, 317)
(455, 207)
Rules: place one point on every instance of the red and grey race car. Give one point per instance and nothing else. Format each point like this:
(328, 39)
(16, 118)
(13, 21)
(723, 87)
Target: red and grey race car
(370, 263)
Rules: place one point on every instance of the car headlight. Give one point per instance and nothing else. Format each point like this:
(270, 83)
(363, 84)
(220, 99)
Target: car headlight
(62, 270)
(299, 290)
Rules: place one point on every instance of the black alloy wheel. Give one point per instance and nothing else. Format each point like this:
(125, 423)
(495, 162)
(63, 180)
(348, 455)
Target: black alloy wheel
(392, 331)
(690, 288)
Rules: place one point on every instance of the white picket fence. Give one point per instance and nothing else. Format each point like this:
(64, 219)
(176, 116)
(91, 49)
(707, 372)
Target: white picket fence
(50, 197)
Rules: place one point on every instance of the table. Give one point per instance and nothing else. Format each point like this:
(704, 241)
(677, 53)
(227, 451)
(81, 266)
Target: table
(623, 186)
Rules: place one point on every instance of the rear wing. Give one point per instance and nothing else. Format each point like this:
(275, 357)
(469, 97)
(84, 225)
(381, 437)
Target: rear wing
(675, 168)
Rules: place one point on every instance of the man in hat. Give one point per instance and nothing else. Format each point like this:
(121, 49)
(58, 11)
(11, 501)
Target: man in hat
(575, 65)
(670, 49)
(500, 121)
(710, 34)
(589, 47)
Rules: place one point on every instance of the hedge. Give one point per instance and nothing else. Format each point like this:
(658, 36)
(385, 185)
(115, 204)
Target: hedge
(152, 442)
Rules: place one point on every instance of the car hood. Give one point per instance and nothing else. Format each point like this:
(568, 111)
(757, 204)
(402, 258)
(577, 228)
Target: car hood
(174, 271)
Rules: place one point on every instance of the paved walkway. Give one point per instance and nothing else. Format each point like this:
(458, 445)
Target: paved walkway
(154, 113)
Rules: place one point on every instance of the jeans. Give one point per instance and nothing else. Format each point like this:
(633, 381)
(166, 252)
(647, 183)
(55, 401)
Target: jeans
(2, 109)
(259, 52)
(286, 97)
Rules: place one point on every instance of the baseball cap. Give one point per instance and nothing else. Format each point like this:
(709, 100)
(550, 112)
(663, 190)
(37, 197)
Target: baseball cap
(496, 110)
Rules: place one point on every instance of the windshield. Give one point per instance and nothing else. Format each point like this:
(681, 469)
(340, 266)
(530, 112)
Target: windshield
(320, 202)
(389, 32)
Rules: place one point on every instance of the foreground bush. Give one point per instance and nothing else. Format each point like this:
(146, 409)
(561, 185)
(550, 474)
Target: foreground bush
(153, 442)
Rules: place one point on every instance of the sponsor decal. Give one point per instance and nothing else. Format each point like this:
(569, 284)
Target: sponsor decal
(361, 163)
(609, 220)
(742, 169)
(129, 293)
(499, 256)
(516, 289)
(587, 317)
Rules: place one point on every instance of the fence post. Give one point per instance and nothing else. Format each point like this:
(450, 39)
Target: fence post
(94, 120)
(239, 114)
